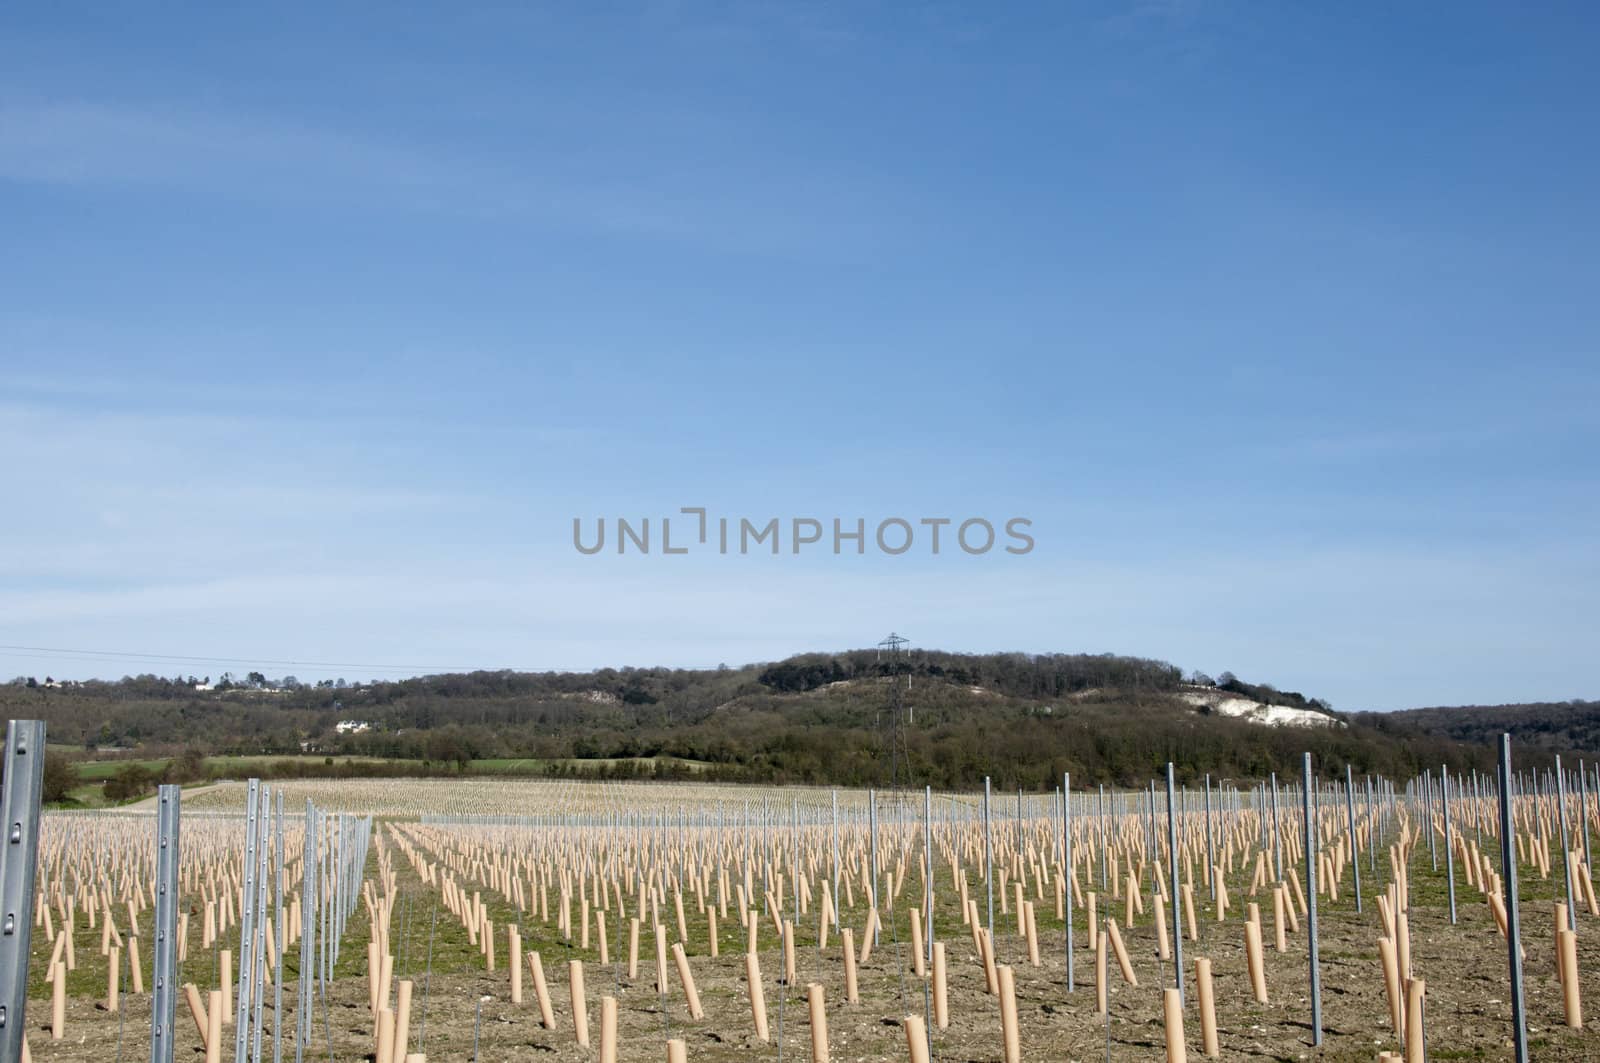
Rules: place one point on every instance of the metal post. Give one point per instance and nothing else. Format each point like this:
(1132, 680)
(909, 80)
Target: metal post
(1372, 842)
(1350, 816)
(247, 915)
(1477, 808)
(1066, 848)
(19, 860)
(1449, 853)
(1277, 841)
(1259, 792)
(1566, 845)
(327, 830)
(836, 855)
(1104, 838)
(336, 858)
(1172, 879)
(1211, 851)
(164, 999)
(1427, 815)
(766, 851)
(277, 926)
(988, 854)
(1508, 858)
(258, 980)
(927, 871)
(1311, 906)
(1018, 841)
(308, 923)
(1151, 834)
(872, 831)
(927, 903)
(1583, 815)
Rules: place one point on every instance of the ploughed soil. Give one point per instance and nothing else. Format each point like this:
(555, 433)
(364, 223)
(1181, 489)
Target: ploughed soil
(1468, 1012)
(1468, 1003)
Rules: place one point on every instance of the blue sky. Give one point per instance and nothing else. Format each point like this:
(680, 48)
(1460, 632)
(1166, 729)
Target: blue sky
(318, 326)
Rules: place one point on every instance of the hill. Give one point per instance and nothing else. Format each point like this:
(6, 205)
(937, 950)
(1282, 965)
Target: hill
(815, 718)
(1546, 728)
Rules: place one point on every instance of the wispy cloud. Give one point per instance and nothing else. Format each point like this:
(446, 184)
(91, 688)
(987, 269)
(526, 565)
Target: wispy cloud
(1392, 442)
(756, 24)
(1323, 623)
(58, 386)
(109, 498)
(589, 181)
(91, 143)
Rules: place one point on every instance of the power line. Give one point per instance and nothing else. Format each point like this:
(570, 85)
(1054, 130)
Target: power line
(120, 655)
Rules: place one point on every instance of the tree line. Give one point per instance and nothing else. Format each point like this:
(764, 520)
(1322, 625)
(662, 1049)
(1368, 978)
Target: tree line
(1019, 719)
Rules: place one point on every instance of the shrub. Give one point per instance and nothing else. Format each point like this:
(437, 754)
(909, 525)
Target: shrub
(130, 781)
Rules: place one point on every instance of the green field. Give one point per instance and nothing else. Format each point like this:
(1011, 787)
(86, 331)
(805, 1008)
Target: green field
(92, 773)
(101, 770)
(535, 766)
(243, 767)
(93, 795)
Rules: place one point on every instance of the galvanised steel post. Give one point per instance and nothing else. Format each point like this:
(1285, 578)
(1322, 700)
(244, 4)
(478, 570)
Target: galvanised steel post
(19, 860)
(1277, 840)
(1350, 818)
(1147, 798)
(927, 840)
(1449, 853)
(277, 925)
(1172, 879)
(1508, 861)
(1311, 905)
(1372, 841)
(340, 888)
(766, 856)
(1066, 849)
(308, 922)
(325, 891)
(1583, 815)
(1211, 851)
(1432, 844)
(164, 963)
(1566, 845)
(1104, 838)
(872, 832)
(1477, 808)
(1258, 794)
(1019, 825)
(988, 854)
(247, 915)
(836, 854)
(794, 853)
(259, 980)
(927, 903)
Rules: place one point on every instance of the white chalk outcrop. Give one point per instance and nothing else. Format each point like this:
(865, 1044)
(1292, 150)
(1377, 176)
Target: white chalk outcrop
(1224, 703)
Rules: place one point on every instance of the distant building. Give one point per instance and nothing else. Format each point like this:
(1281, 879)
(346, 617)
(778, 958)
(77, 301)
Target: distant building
(352, 727)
